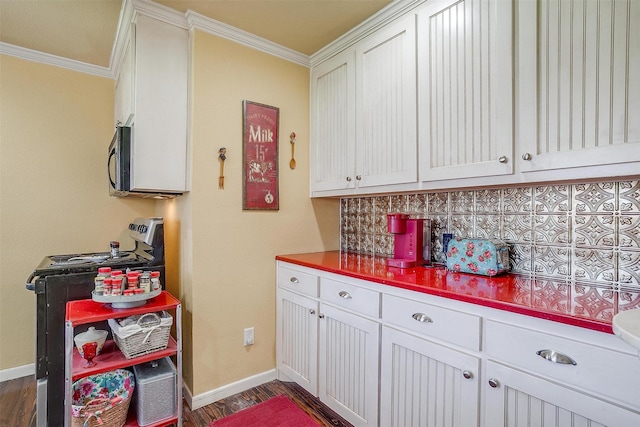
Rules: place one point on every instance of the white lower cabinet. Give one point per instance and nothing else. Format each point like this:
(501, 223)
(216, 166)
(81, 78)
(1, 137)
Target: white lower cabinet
(348, 365)
(297, 339)
(424, 384)
(326, 343)
(383, 356)
(516, 398)
(536, 376)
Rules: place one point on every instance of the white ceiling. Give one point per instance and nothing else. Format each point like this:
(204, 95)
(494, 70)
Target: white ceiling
(85, 30)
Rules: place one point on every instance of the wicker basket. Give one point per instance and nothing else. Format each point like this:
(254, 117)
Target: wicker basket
(102, 400)
(139, 335)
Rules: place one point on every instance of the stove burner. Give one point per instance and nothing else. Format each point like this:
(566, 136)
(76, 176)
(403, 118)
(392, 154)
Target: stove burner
(55, 262)
(78, 259)
(91, 259)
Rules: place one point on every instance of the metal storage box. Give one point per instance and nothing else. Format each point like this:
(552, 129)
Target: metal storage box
(155, 394)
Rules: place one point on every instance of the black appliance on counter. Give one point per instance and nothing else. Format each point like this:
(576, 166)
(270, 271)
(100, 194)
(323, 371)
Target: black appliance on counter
(61, 278)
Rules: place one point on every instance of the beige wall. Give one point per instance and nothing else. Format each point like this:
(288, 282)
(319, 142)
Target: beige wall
(228, 266)
(55, 126)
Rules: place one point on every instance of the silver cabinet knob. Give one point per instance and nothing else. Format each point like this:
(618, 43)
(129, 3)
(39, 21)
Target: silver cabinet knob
(321, 316)
(503, 159)
(526, 156)
(556, 357)
(358, 177)
(348, 179)
(493, 383)
(312, 311)
(344, 294)
(294, 280)
(467, 374)
(421, 317)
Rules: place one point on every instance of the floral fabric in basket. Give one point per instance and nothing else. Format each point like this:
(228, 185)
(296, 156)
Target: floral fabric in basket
(112, 388)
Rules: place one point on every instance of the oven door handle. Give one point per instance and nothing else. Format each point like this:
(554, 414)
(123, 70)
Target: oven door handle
(31, 286)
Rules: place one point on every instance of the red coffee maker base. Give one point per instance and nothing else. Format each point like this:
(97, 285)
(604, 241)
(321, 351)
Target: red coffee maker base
(401, 263)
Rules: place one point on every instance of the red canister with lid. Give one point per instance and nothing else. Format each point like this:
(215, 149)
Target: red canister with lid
(117, 286)
(108, 286)
(155, 280)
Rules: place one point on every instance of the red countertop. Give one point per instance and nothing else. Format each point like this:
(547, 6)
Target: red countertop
(584, 305)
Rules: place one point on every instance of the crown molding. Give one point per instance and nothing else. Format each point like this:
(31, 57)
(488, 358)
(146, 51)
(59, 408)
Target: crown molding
(220, 29)
(159, 12)
(394, 10)
(56, 61)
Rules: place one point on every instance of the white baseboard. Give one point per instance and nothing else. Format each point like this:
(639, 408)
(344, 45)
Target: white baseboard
(17, 372)
(211, 396)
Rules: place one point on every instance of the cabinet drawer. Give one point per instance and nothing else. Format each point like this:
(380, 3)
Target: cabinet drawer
(432, 321)
(594, 366)
(298, 281)
(353, 298)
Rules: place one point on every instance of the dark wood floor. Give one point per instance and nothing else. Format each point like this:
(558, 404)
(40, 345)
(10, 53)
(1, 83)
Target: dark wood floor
(17, 404)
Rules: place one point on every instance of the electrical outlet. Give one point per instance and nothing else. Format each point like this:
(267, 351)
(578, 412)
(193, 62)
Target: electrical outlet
(248, 336)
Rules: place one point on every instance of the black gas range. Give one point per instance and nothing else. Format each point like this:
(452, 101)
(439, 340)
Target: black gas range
(62, 278)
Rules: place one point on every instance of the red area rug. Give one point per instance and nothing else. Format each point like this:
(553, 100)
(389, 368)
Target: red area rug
(278, 411)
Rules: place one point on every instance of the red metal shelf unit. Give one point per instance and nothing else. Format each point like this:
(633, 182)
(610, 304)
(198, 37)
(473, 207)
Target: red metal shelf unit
(86, 311)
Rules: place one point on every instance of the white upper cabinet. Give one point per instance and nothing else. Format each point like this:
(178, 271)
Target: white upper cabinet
(579, 83)
(386, 137)
(124, 84)
(333, 138)
(465, 84)
(363, 114)
(151, 97)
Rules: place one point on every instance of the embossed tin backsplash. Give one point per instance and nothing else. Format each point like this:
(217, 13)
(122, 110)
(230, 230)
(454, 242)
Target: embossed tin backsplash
(580, 232)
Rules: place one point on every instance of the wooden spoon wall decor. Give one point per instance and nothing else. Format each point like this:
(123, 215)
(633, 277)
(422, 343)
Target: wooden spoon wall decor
(222, 156)
(292, 138)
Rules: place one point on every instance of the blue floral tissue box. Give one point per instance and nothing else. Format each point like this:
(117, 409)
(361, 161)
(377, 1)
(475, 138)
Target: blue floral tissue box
(478, 256)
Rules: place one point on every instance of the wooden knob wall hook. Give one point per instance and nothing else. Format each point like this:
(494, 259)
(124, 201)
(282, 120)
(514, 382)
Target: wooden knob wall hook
(222, 156)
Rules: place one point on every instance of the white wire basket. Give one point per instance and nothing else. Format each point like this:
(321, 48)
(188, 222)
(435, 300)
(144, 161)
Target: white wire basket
(142, 334)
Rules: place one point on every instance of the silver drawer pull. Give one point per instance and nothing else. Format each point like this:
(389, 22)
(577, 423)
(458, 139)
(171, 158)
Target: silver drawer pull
(467, 374)
(294, 280)
(494, 383)
(421, 317)
(344, 294)
(312, 311)
(555, 357)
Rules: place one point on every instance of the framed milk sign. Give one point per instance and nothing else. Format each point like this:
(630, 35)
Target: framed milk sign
(260, 156)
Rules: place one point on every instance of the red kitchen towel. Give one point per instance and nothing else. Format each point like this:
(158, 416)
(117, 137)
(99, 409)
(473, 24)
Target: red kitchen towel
(278, 411)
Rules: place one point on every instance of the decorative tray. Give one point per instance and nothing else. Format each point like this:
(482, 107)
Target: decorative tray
(121, 301)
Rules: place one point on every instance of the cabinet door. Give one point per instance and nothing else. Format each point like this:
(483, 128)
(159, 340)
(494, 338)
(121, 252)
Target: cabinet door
(386, 106)
(348, 365)
(424, 384)
(465, 89)
(297, 339)
(333, 124)
(124, 89)
(159, 155)
(516, 398)
(579, 63)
